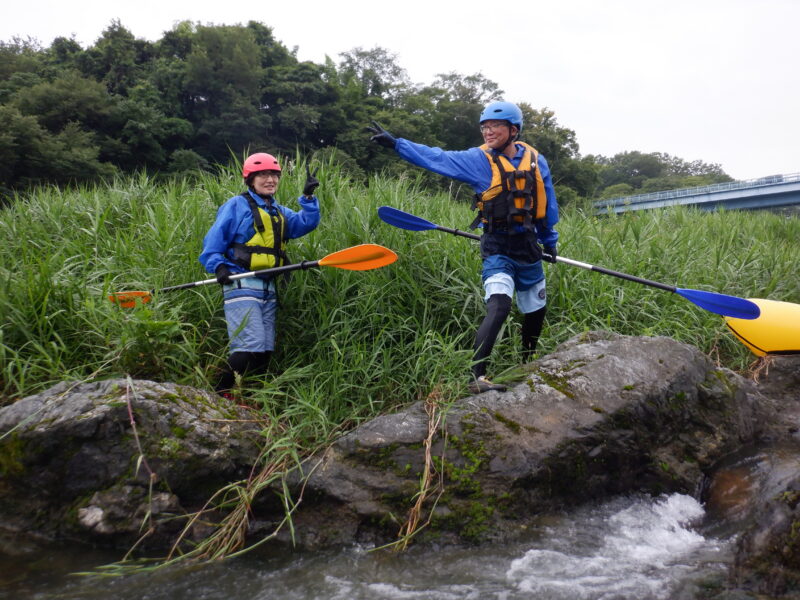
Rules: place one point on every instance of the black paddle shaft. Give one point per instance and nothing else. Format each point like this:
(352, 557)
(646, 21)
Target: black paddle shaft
(306, 264)
(655, 284)
(465, 234)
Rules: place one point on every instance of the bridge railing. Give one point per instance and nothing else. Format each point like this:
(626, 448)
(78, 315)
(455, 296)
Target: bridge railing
(698, 191)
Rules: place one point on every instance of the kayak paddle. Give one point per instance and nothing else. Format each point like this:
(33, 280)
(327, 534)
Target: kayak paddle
(356, 258)
(721, 304)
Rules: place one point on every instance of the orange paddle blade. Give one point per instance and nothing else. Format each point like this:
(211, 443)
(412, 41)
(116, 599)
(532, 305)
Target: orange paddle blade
(360, 258)
(128, 299)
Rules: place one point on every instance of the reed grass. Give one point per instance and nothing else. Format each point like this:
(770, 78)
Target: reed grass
(351, 345)
(362, 341)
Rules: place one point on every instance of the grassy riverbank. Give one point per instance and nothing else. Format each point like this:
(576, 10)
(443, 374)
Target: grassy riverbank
(351, 344)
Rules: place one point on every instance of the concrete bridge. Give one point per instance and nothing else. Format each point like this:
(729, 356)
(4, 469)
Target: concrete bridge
(775, 192)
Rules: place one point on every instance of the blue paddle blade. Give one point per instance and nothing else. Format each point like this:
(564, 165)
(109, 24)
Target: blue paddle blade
(404, 220)
(721, 304)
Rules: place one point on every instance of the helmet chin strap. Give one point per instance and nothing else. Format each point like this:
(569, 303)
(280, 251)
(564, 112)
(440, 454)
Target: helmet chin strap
(511, 139)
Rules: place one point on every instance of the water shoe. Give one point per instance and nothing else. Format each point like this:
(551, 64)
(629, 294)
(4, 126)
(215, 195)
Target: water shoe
(481, 384)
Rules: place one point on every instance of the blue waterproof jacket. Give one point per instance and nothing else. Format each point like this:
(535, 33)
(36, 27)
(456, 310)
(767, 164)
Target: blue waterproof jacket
(472, 167)
(234, 224)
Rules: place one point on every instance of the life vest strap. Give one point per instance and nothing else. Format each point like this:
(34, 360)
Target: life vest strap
(258, 223)
(250, 249)
(476, 221)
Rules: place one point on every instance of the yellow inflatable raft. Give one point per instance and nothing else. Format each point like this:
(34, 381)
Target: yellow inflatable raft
(775, 331)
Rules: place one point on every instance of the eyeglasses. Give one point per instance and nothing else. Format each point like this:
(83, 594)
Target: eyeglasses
(492, 125)
(269, 174)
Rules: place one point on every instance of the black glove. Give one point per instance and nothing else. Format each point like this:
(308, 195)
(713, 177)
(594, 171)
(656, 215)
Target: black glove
(223, 274)
(312, 183)
(551, 250)
(381, 136)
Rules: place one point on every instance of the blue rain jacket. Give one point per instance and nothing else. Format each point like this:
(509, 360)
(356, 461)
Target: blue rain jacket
(234, 224)
(472, 167)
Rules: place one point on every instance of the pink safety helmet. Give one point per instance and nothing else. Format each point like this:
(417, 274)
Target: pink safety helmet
(260, 161)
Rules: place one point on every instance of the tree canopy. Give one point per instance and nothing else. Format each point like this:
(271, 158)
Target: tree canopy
(203, 93)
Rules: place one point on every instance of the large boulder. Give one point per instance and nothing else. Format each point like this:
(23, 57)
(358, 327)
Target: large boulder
(106, 461)
(602, 415)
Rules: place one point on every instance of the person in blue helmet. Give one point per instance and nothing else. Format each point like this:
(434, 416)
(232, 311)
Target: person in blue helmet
(517, 210)
(250, 234)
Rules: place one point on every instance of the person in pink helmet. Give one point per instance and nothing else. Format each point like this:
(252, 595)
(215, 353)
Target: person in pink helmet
(250, 234)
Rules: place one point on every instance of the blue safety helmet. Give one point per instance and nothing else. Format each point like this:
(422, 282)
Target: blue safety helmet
(503, 110)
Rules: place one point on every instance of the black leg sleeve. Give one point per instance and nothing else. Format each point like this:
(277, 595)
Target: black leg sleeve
(242, 363)
(531, 329)
(497, 309)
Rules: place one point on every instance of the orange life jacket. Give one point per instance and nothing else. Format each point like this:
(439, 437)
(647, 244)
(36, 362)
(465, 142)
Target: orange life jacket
(515, 195)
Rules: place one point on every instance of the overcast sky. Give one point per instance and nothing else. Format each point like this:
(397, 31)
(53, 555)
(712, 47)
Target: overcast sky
(714, 80)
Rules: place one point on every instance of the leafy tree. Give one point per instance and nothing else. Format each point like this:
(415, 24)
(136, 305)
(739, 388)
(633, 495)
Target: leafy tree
(302, 105)
(30, 154)
(223, 66)
(222, 79)
(456, 105)
(184, 161)
(73, 156)
(352, 139)
(376, 71)
(654, 172)
(678, 167)
(618, 189)
(142, 135)
(632, 168)
(21, 143)
(70, 98)
(176, 44)
(116, 59)
(237, 127)
(64, 53)
(16, 83)
(19, 56)
(542, 130)
(670, 183)
(165, 88)
(272, 52)
(580, 175)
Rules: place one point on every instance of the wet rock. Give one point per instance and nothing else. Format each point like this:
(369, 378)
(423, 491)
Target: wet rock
(106, 461)
(768, 552)
(123, 510)
(604, 414)
(757, 490)
(780, 378)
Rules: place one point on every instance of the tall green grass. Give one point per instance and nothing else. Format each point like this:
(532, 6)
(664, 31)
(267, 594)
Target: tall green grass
(350, 344)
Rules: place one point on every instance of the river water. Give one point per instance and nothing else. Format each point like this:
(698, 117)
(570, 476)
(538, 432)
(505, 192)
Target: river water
(635, 547)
